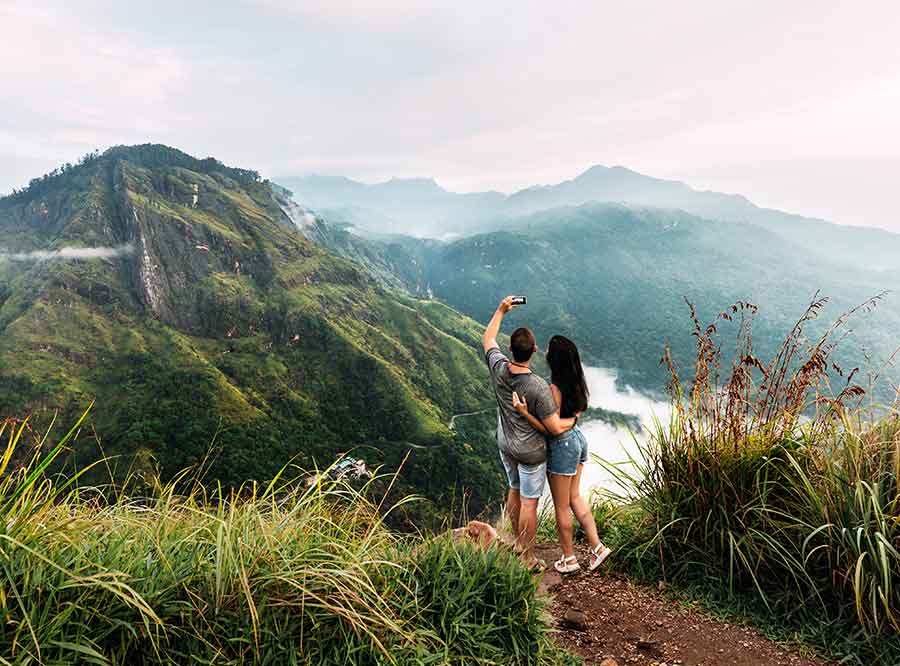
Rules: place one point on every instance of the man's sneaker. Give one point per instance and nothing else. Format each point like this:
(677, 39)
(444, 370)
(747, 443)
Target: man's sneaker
(598, 555)
(567, 565)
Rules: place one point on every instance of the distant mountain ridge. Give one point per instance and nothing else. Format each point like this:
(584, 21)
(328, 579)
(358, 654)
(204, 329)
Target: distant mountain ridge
(422, 207)
(609, 256)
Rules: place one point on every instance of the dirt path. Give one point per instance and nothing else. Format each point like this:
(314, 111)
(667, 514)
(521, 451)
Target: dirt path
(603, 616)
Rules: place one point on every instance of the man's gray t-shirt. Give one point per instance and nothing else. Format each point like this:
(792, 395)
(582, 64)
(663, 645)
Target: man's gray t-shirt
(515, 435)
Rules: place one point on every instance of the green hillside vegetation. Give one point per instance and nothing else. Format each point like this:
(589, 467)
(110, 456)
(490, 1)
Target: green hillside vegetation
(615, 279)
(224, 327)
(396, 262)
(276, 574)
(614, 276)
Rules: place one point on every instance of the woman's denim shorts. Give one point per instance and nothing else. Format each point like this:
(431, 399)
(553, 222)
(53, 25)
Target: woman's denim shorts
(566, 452)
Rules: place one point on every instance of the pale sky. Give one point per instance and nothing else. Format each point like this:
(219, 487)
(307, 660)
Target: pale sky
(795, 104)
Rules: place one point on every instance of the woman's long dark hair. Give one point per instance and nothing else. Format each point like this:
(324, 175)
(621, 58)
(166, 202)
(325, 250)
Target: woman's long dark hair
(568, 375)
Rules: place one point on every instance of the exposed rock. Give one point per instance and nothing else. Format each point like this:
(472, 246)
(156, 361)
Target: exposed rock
(575, 619)
(646, 644)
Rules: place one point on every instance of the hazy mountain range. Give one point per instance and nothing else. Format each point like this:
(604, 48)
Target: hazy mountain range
(420, 207)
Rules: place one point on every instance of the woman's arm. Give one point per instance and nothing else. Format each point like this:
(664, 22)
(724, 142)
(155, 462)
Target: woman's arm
(522, 408)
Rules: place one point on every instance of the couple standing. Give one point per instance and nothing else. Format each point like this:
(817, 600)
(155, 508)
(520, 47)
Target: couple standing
(539, 439)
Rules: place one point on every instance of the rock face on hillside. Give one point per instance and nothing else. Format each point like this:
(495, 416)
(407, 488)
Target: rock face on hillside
(219, 324)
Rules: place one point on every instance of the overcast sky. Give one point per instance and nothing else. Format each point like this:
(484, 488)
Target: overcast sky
(795, 104)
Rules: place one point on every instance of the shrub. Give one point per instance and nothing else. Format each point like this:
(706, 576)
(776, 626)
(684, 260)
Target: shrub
(768, 483)
(482, 602)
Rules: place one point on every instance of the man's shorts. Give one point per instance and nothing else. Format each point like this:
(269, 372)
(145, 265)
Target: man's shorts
(529, 480)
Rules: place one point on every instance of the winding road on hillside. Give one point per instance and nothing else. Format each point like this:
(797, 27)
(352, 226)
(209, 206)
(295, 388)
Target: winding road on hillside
(452, 424)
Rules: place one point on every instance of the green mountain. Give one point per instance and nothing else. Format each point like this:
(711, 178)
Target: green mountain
(218, 324)
(859, 246)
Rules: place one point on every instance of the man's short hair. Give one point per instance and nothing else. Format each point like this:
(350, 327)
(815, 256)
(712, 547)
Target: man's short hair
(521, 344)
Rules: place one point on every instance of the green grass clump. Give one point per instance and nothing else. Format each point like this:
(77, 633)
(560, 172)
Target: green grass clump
(482, 602)
(289, 573)
(774, 495)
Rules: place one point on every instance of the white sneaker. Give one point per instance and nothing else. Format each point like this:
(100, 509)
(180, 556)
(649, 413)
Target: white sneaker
(567, 565)
(598, 555)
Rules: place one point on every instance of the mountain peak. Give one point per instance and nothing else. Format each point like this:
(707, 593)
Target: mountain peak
(618, 171)
(215, 293)
(148, 156)
(147, 152)
(417, 180)
(414, 185)
(597, 168)
(156, 155)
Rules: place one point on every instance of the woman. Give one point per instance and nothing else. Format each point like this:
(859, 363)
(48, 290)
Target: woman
(567, 454)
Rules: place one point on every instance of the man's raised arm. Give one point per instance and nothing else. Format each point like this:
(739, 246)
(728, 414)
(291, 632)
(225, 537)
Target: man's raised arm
(489, 339)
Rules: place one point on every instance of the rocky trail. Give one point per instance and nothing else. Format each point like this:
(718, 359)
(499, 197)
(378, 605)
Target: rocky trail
(609, 621)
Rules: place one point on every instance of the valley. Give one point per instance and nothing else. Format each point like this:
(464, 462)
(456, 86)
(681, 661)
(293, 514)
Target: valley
(619, 279)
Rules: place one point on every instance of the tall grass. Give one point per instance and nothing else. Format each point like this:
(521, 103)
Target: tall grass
(276, 574)
(772, 481)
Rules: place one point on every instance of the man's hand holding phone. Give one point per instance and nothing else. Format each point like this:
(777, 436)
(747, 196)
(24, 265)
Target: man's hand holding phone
(511, 302)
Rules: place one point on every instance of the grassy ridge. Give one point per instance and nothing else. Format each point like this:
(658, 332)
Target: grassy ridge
(282, 574)
(771, 493)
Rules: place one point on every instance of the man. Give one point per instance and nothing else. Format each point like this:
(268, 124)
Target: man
(523, 450)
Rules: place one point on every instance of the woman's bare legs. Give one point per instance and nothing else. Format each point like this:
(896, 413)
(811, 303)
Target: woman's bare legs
(580, 508)
(560, 488)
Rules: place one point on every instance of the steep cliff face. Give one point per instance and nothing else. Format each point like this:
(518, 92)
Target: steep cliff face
(180, 247)
(219, 322)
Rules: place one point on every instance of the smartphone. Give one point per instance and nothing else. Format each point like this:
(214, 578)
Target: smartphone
(519, 300)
